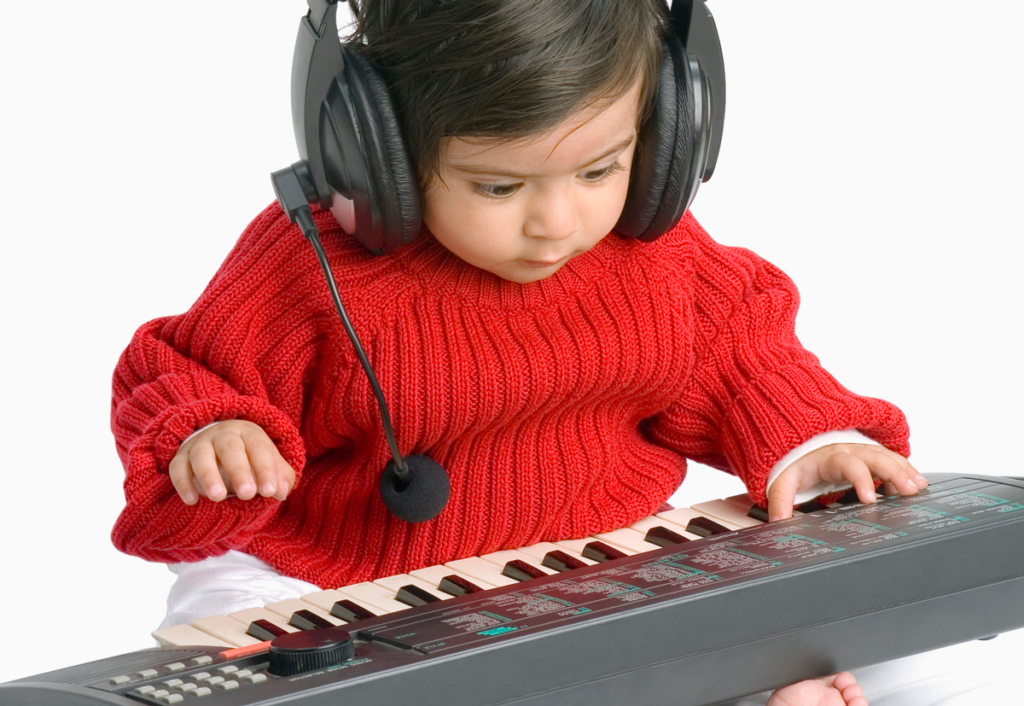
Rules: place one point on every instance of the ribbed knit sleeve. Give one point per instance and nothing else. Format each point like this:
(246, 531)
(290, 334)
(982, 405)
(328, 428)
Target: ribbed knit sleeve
(755, 393)
(239, 353)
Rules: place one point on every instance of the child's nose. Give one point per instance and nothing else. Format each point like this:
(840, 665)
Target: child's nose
(553, 216)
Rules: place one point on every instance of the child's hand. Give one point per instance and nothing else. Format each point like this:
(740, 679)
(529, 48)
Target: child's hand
(835, 690)
(857, 464)
(224, 458)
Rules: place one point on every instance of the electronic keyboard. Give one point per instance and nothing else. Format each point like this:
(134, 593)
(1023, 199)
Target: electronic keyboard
(691, 606)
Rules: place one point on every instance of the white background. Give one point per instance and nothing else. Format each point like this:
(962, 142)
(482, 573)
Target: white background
(875, 158)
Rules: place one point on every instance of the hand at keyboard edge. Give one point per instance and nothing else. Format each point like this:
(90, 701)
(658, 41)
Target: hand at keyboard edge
(857, 464)
(234, 456)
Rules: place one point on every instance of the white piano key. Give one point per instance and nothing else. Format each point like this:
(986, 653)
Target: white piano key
(506, 555)
(250, 615)
(287, 607)
(577, 545)
(323, 600)
(394, 583)
(488, 571)
(224, 628)
(181, 635)
(434, 574)
(648, 523)
(682, 516)
(627, 539)
(538, 551)
(378, 599)
(725, 512)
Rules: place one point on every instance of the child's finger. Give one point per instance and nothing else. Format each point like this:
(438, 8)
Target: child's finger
(203, 460)
(285, 477)
(856, 472)
(781, 495)
(181, 477)
(204, 464)
(235, 461)
(262, 452)
(895, 470)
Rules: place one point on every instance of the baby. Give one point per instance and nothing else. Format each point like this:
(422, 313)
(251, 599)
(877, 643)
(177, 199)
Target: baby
(561, 374)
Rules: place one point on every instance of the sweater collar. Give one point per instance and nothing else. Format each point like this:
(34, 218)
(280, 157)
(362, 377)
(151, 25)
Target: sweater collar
(442, 273)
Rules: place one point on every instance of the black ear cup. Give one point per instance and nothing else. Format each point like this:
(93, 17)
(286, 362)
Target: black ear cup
(663, 178)
(393, 185)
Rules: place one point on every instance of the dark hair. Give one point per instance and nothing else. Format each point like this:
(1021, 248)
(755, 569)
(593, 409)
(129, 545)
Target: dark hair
(506, 69)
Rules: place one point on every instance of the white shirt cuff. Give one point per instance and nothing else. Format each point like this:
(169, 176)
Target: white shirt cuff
(841, 436)
(197, 431)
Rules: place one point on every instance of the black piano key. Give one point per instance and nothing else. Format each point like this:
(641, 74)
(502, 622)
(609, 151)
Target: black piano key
(758, 513)
(308, 620)
(264, 630)
(599, 551)
(704, 527)
(521, 571)
(664, 537)
(456, 585)
(560, 561)
(849, 497)
(414, 596)
(810, 506)
(350, 612)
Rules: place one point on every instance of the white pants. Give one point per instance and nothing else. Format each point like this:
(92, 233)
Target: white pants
(970, 674)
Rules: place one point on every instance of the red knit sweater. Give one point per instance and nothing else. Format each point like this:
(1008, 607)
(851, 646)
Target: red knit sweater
(560, 408)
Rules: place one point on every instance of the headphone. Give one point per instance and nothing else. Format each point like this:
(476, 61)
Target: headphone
(354, 162)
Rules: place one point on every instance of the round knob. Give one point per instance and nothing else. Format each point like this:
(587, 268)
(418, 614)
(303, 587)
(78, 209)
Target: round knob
(307, 650)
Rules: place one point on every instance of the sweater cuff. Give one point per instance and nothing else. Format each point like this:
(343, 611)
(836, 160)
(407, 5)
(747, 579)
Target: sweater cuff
(156, 525)
(840, 436)
(782, 409)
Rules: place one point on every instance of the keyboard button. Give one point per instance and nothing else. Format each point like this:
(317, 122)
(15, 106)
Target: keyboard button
(118, 681)
(202, 661)
(227, 669)
(228, 685)
(171, 683)
(256, 678)
(172, 698)
(201, 675)
(158, 693)
(175, 667)
(456, 585)
(264, 630)
(697, 523)
(350, 612)
(251, 615)
(214, 681)
(142, 690)
(203, 691)
(810, 506)
(186, 687)
(147, 674)
(242, 673)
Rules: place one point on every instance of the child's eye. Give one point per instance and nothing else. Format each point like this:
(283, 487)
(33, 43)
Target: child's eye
(600, 175)
(496, 191)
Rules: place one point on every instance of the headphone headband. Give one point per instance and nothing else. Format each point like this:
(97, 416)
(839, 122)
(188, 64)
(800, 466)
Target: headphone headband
(336, 144)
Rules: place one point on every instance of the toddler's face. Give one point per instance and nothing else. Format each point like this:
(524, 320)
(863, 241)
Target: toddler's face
(522, 209)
